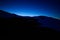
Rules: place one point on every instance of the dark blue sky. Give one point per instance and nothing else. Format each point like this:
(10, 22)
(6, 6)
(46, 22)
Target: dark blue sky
(49, 8)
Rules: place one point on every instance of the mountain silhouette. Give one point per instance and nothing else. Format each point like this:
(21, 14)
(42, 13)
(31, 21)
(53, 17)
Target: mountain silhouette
(4, 14)
(11, 24)
(49, 22)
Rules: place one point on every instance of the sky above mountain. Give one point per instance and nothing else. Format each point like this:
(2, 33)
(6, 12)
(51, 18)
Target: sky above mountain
(49, 8)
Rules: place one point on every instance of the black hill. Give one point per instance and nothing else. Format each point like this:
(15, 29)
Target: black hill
(11, 24)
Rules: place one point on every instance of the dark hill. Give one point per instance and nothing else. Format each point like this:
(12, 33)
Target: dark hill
(4, 14)
(49, 22)
(11, 24)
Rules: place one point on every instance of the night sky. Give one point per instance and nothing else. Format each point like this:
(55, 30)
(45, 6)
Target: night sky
(49, 8)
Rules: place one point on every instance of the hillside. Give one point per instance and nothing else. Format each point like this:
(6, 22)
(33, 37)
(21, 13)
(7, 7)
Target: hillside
(11, 24)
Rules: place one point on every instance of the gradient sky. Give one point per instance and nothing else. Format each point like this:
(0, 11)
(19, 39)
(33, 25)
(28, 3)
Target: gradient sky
(49, 8)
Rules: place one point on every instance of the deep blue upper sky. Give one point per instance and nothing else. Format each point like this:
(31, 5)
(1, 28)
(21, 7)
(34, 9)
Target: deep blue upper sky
(49, 8)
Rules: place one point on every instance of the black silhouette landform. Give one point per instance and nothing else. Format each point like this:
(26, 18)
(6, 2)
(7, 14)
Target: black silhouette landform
(12, 24)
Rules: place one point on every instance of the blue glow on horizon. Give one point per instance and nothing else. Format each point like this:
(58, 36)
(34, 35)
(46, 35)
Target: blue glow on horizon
(31, 7)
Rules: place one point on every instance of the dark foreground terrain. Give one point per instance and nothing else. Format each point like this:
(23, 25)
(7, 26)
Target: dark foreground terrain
(11, 24)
